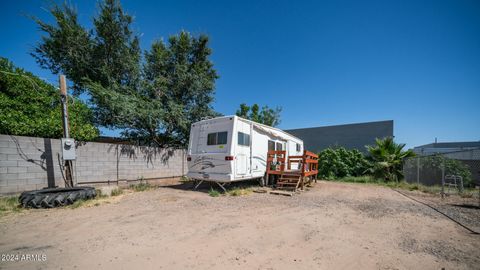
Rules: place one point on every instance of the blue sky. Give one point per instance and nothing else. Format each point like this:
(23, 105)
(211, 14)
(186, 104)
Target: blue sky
(324, 62)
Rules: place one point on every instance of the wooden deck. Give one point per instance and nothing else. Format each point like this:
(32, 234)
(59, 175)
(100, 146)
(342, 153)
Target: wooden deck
(293, 172)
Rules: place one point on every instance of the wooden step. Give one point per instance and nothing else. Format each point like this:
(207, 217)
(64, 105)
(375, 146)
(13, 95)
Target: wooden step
(280, 192)
(289, 179)
(286, 187)
(292, 189)
(289, 176)
(292, 174)
(287, 183)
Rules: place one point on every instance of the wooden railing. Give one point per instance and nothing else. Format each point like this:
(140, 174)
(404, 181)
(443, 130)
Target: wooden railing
(276, 162)
(306, 164)
(310, 164)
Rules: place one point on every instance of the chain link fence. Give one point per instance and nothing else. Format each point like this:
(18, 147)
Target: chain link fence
(453, 172)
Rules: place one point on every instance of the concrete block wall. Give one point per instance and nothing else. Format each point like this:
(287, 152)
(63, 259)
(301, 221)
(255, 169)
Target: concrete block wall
(28, 163)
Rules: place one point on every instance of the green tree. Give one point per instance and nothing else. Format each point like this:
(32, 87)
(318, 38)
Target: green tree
(266, 115)
(154, 99)
(243, 111)
(254, 114)
(109, 53)
(269, 116)
(31, 107)
(181, 76)
(387, 159)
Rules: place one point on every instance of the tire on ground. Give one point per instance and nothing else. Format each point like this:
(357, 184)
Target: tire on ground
(54, 197)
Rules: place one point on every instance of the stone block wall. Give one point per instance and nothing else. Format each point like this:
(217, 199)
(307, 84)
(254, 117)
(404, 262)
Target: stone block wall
(28, 163)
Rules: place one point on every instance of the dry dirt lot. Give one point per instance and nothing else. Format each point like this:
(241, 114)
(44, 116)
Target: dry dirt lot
(330, 226)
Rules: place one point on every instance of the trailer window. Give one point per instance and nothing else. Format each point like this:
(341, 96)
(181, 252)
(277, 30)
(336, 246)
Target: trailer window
(243, 139)
(299, 148)
(279, 146)
(212, 139)
(217, 138)
(271, 146)
(222, 138)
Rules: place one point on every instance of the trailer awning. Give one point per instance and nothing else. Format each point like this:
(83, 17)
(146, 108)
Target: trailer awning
(270, 132)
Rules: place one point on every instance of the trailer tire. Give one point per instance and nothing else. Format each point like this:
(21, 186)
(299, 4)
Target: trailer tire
(55, 197)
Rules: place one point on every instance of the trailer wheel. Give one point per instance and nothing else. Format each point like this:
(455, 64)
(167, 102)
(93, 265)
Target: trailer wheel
(54, 197)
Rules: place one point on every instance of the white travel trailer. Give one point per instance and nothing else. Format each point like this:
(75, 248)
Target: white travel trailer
(231, 148)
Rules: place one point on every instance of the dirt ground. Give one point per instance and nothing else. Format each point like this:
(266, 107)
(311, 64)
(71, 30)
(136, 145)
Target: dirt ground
(330, 226)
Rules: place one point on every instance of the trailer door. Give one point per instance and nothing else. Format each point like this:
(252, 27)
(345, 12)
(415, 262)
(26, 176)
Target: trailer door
(243, 153)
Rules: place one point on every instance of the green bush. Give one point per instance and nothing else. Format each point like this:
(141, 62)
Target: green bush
(359, 179)
(214, 193)
(117, 191)
(31, 107)
(339, 162)
(141, 187)
(238, 191)
(9, 204)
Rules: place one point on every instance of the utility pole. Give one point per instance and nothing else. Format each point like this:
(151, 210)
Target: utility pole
(66, 132)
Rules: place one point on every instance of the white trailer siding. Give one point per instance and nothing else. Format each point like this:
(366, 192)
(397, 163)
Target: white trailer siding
(208, 160)
(231, 148)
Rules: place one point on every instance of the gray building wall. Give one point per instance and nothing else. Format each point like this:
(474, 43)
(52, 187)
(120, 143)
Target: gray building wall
(351, 136)
(445, 147)
(28, 163)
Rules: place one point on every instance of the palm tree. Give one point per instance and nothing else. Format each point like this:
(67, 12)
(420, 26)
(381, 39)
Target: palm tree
(386, 158)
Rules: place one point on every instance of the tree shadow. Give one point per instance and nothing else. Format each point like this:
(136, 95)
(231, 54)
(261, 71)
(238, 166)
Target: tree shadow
(46, 158)
(148, 153)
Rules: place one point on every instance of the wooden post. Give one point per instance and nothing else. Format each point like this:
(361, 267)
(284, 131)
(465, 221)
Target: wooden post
(66, 130)
(302, 173)
(63, 96)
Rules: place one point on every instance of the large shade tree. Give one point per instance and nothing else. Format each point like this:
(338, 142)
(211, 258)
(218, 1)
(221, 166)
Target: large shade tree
(153, 99)
(266, 115)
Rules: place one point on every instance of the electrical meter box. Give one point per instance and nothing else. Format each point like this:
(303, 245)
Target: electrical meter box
(68, 149)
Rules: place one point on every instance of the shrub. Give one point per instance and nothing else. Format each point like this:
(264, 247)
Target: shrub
(239, 191)
(99, 194)
(339, 162)
(359, 179)
(141, 187)
(117, 191)
(9, 204)
(214, 193)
